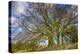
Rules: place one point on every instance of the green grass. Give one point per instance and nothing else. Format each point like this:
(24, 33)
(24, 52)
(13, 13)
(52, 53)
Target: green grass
(56, 47)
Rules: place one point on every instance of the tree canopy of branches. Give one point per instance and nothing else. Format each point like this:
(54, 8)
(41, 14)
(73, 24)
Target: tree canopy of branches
(44, 21)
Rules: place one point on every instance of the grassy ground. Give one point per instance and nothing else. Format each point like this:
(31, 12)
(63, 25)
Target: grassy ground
(56, 47)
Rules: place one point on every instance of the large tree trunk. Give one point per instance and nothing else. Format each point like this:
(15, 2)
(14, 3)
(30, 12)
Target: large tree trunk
(58, 40)
(63, 46)
(50, 41)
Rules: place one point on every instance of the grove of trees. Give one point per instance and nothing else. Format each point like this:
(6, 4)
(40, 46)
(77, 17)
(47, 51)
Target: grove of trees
(54, 24)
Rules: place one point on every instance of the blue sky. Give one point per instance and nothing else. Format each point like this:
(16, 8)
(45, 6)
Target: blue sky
(63, 6)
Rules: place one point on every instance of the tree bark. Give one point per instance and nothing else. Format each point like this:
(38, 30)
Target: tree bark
(63, 41)
(50, 41)
(58, 41)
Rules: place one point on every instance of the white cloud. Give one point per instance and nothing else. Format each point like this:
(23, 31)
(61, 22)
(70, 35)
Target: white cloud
(13, 19)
